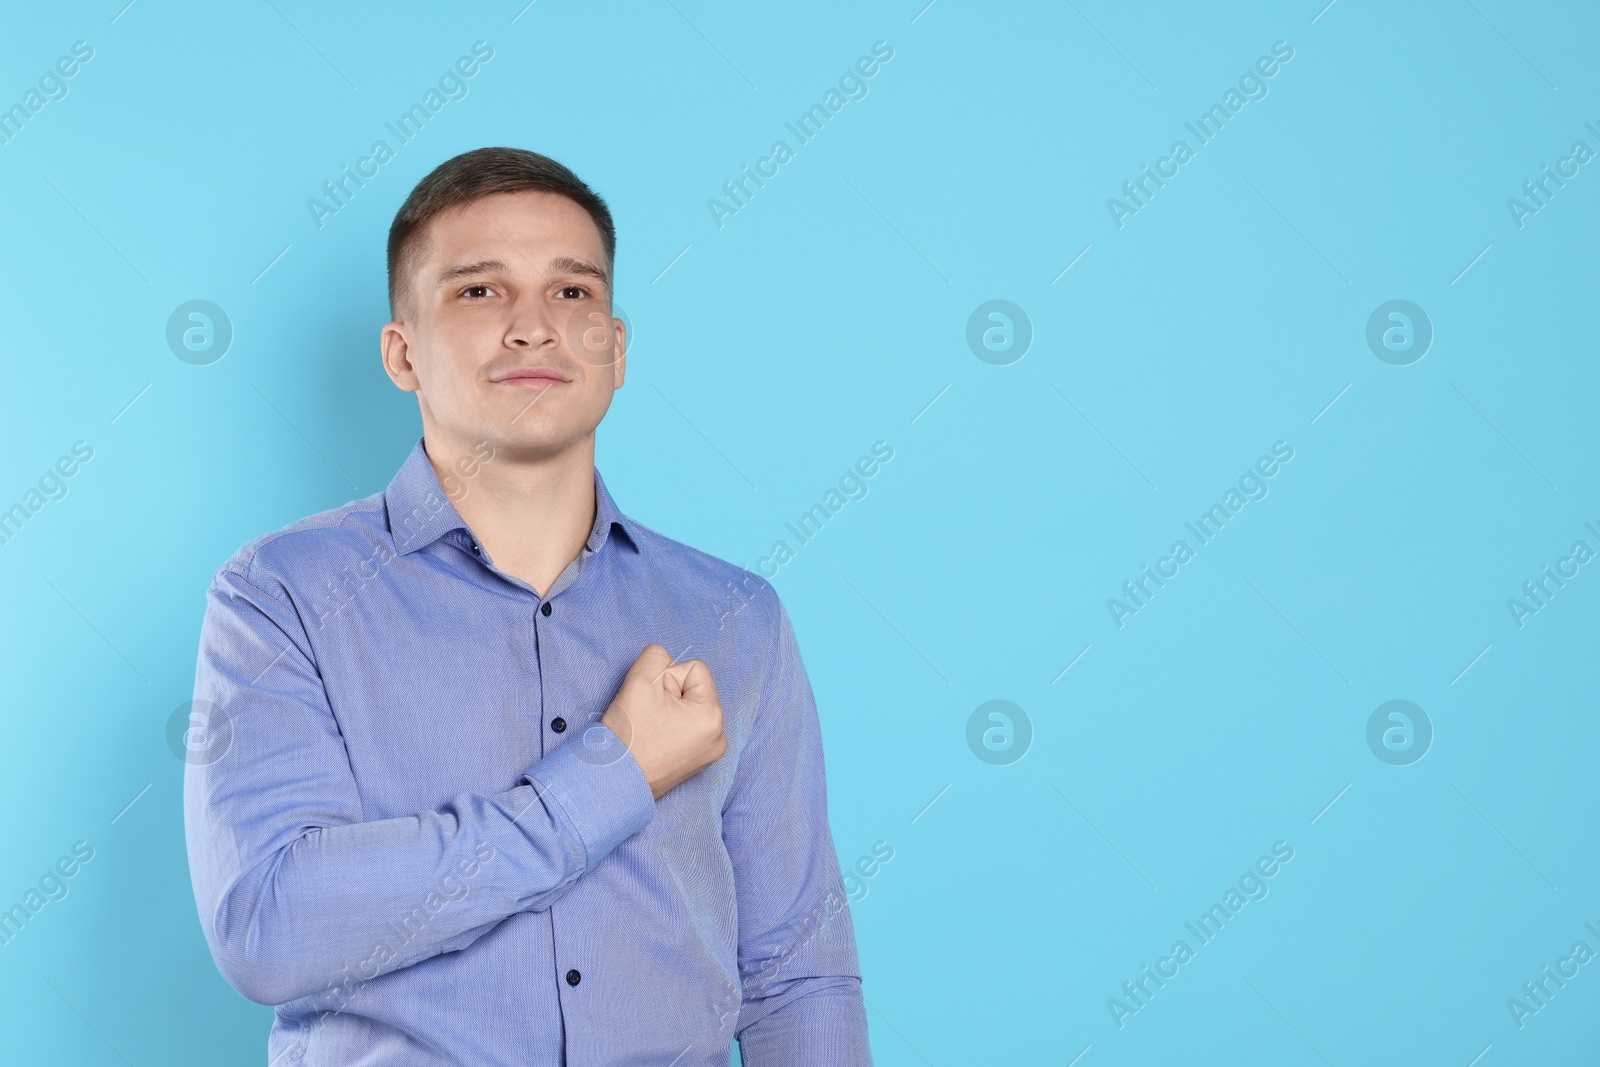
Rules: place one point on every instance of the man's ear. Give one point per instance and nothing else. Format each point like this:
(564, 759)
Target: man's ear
(395, 343)
(619, 366)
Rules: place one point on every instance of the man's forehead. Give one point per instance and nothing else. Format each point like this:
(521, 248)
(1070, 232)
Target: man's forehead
(514, 231)
(527, 211)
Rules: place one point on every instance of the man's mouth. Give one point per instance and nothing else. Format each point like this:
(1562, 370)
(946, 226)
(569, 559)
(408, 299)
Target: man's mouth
(533, 378)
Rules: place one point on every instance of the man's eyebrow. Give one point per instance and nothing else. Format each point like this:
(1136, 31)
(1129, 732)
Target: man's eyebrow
(462, 270)
(557, 265)
(571, 265)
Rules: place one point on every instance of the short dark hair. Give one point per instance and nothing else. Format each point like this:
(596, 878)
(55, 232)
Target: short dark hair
(479, 173)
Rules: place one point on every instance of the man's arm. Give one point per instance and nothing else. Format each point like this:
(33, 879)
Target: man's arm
(802, 1003)
(295, 890)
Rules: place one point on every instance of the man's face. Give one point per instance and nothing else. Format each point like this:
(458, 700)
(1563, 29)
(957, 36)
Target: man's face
(506, 286)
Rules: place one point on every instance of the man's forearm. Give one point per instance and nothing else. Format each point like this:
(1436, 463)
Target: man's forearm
(348, 902)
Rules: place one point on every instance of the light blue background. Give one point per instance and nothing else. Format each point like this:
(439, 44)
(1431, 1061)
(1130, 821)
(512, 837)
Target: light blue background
(826, 315)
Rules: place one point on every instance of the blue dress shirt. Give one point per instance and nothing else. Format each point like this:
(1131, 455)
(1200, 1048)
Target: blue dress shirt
(408, 830)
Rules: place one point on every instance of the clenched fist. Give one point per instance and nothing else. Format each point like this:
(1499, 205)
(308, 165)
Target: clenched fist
(669, 716)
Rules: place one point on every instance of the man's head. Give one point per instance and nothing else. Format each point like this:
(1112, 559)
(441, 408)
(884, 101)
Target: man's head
(501, 263)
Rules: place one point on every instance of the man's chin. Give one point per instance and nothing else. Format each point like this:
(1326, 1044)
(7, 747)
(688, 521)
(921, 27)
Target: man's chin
(533, 443)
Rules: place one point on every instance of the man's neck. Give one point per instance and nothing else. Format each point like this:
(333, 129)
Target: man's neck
(531, 516)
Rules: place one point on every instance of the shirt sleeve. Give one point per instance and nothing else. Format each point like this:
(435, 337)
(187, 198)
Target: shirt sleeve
(296, 891)
(801, 999)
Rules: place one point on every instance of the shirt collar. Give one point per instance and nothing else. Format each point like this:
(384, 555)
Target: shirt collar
(420, 511)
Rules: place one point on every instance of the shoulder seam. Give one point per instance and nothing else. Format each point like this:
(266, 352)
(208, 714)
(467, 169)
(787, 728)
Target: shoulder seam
(308, 652)
(242, 574)
(248, 564)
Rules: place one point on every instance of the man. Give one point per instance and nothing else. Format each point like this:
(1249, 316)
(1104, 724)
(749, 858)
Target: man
(475, 805)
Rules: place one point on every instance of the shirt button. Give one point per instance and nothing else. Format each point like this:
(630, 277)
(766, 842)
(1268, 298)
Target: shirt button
(545, 611)
(558, 724)
(573, 977)
(476, 551)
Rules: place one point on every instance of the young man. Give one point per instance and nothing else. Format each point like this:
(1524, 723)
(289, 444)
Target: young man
(474, 804)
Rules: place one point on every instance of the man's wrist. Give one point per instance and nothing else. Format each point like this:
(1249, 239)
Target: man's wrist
(597, 788)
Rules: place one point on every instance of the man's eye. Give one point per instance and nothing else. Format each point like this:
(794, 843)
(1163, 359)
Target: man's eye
(472, 289)
(575, 289)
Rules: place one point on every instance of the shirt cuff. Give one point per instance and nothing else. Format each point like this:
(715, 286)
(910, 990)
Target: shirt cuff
(598, 787)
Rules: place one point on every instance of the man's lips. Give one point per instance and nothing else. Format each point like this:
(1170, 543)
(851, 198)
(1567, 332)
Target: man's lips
(532, 379)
